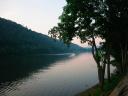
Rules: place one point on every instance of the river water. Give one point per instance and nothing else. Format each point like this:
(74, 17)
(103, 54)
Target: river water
(47, 75)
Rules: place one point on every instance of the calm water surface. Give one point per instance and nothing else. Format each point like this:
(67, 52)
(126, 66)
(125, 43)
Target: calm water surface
(47, 75)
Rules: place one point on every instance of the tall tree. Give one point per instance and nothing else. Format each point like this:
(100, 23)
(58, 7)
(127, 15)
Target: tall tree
(116, 25)
(84, 19)
(91, 19)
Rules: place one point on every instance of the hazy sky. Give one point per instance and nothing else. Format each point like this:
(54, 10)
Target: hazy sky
(39, 15)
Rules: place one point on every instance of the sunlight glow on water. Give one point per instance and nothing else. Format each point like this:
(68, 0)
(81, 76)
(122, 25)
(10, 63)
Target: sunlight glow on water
(62, 78)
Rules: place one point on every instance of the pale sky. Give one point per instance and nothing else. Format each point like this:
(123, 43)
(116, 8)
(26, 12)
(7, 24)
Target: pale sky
(38, 15)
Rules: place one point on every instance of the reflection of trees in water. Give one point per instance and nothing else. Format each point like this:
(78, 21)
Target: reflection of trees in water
(14, 68)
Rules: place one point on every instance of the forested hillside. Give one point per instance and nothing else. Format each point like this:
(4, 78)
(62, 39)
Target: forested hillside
(16, 39)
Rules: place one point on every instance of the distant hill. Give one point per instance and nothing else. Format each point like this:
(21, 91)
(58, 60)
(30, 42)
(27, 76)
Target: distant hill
(16, 39)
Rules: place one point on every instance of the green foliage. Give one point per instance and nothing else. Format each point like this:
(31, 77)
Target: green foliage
(82, 19)
(117, 30)
(105, 19)
(114, 81)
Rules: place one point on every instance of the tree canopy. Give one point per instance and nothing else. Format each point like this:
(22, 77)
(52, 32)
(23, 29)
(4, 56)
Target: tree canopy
(91, 19)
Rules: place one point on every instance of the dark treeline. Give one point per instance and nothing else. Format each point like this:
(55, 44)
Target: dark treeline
(91, 19)
(16, 39)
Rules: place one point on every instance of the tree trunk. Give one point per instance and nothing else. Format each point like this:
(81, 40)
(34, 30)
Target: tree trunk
(108, 67)
(101, 69)
(125, 57)
(122, 60)
(101, 79)
(108, 72)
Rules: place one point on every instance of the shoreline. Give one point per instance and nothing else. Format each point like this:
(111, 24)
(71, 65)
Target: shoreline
(87, 91)
(108, 87)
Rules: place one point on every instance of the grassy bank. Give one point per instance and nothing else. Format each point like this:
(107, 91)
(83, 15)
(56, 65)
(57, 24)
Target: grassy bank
(108, 87)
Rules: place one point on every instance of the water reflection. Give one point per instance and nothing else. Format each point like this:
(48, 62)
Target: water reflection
(46, 75)
(13, 68)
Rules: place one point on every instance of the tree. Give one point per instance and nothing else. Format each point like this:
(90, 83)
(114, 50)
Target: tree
(84, 19)
(116, 25)
(91, 19)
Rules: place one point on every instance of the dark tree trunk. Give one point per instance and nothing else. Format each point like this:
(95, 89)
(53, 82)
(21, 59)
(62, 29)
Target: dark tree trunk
(108, 65)
(108, 72)
(101, 69)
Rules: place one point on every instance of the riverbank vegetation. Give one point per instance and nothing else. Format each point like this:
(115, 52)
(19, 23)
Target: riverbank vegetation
(108, 87)
(89, 20)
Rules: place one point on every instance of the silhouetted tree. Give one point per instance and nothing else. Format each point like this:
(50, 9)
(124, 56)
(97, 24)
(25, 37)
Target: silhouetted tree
(117, 31)
(84, 19)
(91, 19)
